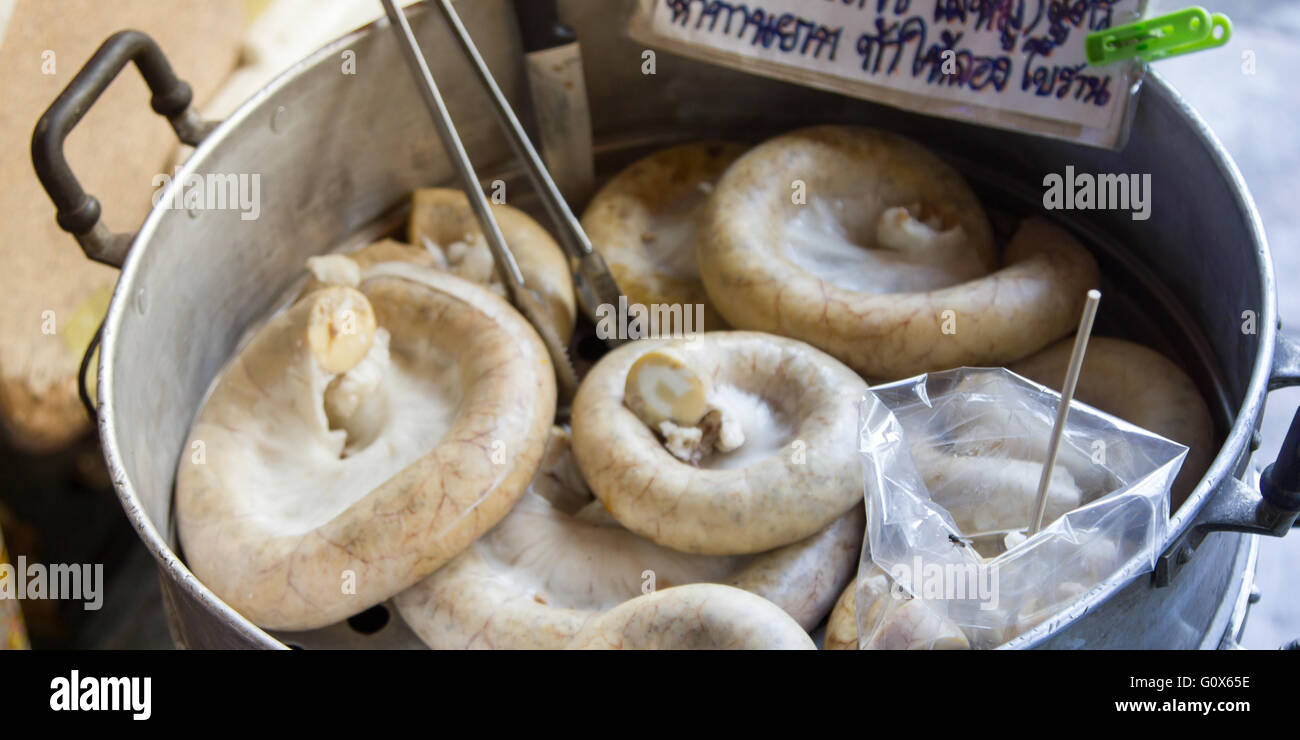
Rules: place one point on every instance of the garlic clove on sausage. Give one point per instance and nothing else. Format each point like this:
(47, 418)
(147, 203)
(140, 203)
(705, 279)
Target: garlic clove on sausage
(340, 328)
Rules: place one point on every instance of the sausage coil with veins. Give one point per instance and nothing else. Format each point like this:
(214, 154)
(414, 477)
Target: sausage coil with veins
(443, 224)
(767, 466)
(558, 561)
(701, 616)
(1140, 386)
(359, 431)
(646, 220)
(887, 262)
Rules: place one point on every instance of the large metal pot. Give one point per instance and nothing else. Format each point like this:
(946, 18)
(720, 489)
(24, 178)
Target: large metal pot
(338, 153)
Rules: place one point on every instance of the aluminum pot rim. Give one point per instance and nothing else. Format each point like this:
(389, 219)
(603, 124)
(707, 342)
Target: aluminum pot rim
(169, 562)
(1247, 415)
(172, 566)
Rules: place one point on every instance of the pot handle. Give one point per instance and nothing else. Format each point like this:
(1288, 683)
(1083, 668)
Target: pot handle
(1269, 508)
(1280, 482)
(79, 212)
(1286, 363)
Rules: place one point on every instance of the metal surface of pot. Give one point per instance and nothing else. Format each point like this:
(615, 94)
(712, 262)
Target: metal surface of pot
(337, 155)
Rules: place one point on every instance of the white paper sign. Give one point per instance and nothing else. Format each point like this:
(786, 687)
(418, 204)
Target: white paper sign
(1002, 62)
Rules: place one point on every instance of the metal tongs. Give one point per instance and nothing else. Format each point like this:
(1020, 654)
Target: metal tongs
(594, 282)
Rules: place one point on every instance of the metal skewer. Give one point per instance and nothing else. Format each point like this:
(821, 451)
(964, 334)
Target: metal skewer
(532, 305)
(1063, 410)
(596, 286)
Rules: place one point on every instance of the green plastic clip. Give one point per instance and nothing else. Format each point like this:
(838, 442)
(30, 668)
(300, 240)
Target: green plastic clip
(1163, 36)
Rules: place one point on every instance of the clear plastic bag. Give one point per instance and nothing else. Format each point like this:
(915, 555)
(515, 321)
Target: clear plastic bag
(951, 463)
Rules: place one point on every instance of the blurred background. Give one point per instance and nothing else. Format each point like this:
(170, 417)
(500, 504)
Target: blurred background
(56, 501)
